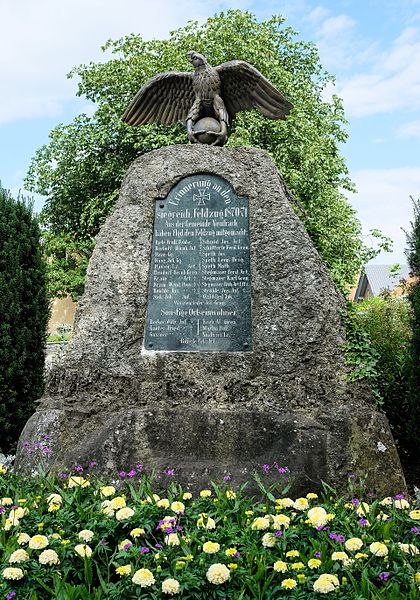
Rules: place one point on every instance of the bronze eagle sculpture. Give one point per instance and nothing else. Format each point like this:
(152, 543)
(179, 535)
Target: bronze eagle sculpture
(207, 99)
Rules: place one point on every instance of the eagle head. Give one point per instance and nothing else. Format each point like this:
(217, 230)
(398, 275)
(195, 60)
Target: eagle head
(196, 59)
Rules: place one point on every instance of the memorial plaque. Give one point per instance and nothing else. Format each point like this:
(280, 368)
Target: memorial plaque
(200, 278)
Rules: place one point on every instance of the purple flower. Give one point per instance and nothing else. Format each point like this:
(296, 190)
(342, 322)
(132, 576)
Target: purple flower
(236, 555)
(170, 471)
(169, 530)
(62, 475)
(102, 542)
(79, 469)
(122, 474)
(283, 470)
(93, 463)
(139, 468)
(338, 538)
(45, 450)
(317, 554)
(363, 522)
(45, 437)
(127, 546)
(10, 595)
(178, 527)
(37, 445)
(158, 545)
(355, 501)
(2, 509)
(351, 475)
(266, 468)
(414, 530)
(131, 473)
(25, 444)
(13, 507)
(144, 550)
(384, 576)
(278, 534)
(226, 478)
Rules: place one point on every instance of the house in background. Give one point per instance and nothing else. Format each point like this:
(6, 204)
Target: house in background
(377, 278)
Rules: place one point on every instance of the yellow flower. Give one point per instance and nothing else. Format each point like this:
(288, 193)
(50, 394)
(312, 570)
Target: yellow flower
(301, 577)
(107, 509)
(314, 563)
(218, 573)
(65, 542)
(353, 544)
(301, 504)
(401, 504)
(382, 516)
(280, 566)
(107, 490)
(326, 583)
(124, 543)
(387, 501)
(409, 548)
(417, 577)
(260, 523)
(172, 539)
(339, 556)
(23, 538)
(206, 522)
(205, 493)
(54, 499)
(312, 496)
(414, 514)
(18, 513)
(268, 540)
(115, 503)
(137, 532)
(280, 521)
(143, 578)
(37, 542)
(123, 570)
(211, 547)
(378, 549)
(3, 469)
(179, 565)
(18, 556)
(317, 516)
(6, 501)
(231, 552)
(124, 513)
(9, 523)
(230, 495)
(232, 566)
(54, 507)
(363, 509)
(249, 513)
(178, 507)
(75, 481)
(12, 573)
(292, 554)
(330, 516)
(86, 535)
(170, 587)
(289, 584)
(152, 499)
(56, 536)
(49, 557)
(83, 550)
(361, 556)
(163, 503)
(186, 496)
(298, 566)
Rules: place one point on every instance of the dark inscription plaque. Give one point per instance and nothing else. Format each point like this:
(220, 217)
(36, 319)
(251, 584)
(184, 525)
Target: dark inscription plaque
(200, 278)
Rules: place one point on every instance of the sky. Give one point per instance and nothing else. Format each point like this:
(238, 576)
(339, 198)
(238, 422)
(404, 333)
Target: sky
(371, 46)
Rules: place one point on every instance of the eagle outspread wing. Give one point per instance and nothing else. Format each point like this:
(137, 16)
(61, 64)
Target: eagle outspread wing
(245, 88)
(167, 98)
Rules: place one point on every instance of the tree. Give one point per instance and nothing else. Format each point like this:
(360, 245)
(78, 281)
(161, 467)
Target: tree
(24, 313)
(413, 257)
(81, 168)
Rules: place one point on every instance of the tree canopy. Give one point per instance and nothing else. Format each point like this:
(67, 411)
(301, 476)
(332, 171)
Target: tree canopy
(81, 168)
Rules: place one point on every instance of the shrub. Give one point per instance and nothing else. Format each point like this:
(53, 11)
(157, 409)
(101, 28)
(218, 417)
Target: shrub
(24, 313)
(386, 320)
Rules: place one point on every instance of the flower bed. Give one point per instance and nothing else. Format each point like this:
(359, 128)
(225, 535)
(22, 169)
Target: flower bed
(73, 536)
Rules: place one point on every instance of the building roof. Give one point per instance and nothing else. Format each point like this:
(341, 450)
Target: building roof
(380, 278)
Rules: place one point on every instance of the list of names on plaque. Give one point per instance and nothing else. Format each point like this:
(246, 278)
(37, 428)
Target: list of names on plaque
(200, 279)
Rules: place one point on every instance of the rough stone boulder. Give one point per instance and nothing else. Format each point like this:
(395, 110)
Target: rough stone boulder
(204, 413)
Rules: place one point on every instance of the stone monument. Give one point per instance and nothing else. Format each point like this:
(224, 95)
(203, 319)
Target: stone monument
(209, 337)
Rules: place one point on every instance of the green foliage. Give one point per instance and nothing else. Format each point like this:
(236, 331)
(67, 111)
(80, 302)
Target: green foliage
(413, 255)
(81, 168)
(264, 545)
(24, 313)
(385, 323)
